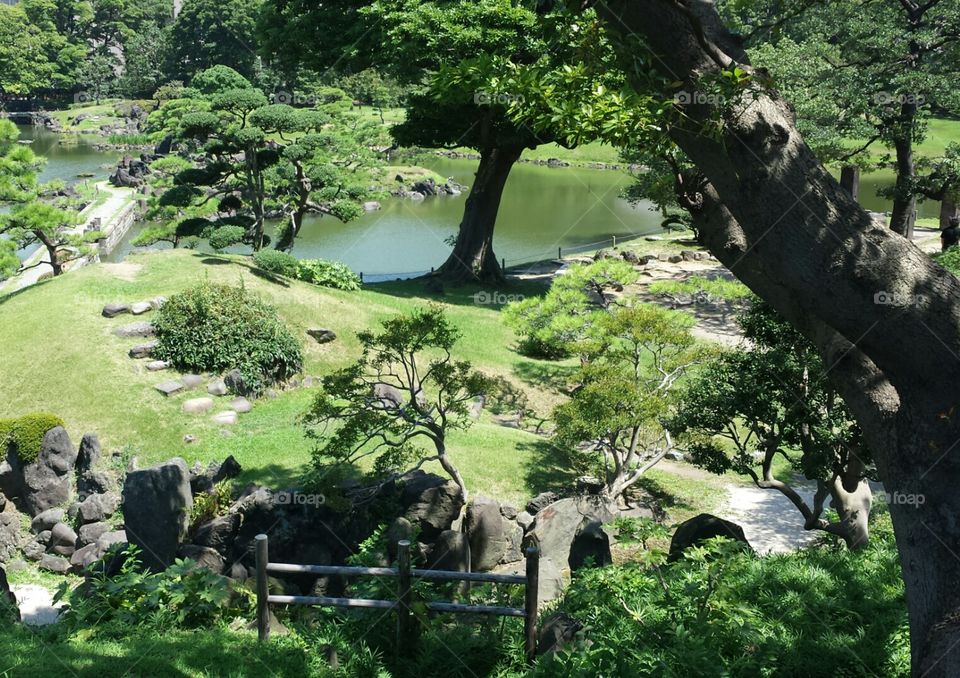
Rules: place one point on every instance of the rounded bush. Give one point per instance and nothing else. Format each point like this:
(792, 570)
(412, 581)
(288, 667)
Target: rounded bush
(218, 328)
(328, 274)
(25, 434)
(277, 262)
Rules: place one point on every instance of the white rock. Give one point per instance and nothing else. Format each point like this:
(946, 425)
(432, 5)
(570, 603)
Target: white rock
(217, 387)
(241, 405)
(141, 307)
(198, 405)
(228, 418)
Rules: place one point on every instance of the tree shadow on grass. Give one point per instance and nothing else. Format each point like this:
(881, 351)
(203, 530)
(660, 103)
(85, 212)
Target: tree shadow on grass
(553, 376)
(549, 467)
(487, 296)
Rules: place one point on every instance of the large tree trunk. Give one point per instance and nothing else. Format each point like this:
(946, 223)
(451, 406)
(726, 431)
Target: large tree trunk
(473, 259)
(772, 214)
(904, 199)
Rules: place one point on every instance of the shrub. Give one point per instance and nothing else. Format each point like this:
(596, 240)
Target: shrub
(217, 328)
(328, 274)
(25, 434)
(277, 262)
(209, 505)
(184, 595)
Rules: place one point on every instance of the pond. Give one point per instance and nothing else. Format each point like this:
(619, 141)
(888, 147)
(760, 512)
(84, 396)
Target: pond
(543, 209)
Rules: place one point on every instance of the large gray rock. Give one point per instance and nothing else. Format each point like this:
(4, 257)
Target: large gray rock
(488, 534)
(53, 563)
(203, 556)
(700, 528)
(10, 537)
(156, 510)
(430, 502)
(203, 480)
(143, 350)
(541, 501)
(45, 483)
(89, 453)
(138, 329)
(113, 310)
(62, 534)
(47, 519)
(97, 508)
(567, 532)
(450, 551)
(8, 601)
(91, 532)
(218, 534)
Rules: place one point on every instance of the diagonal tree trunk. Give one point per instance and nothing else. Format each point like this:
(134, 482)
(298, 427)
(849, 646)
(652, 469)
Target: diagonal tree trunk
(473, 259)
(772, 214)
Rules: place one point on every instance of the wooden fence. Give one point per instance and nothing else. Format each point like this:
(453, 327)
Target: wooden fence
(405, 574)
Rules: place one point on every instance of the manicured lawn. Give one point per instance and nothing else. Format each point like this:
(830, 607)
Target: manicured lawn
(60, 355)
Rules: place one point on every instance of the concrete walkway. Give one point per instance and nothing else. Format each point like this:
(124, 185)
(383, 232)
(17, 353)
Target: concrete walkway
(107, 211)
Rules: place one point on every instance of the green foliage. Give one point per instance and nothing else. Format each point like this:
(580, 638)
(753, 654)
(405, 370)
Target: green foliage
(219, 79)
(395, 406)
(697, 286)
(277, 262)
(328, 274)
(208, 33)
(950, 259)
(184, 595)
(9, 261)
(25, 434)
(721, 612)
(552, 326)
(209, 505)
(217, 328)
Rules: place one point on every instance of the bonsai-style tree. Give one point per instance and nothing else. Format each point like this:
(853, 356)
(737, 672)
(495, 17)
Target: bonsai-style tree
(773, 400)
(393, 410)
(634, 357)
(551, 326)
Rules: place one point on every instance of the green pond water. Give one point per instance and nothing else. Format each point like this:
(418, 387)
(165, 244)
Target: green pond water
(543, 209)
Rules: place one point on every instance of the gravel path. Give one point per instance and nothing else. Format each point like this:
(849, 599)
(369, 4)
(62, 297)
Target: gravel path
(771, 523)
(36, 604)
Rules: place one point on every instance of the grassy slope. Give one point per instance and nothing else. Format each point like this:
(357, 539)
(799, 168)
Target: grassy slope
(60, 355)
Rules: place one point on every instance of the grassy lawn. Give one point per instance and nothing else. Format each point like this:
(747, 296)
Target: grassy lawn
(60, 355)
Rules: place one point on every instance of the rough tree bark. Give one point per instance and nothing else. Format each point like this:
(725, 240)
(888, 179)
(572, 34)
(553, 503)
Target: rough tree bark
(772, 214)
(473, 259)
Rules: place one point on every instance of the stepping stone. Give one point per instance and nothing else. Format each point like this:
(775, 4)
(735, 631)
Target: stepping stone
(228, 418)
(308, 382)
(143, 350)
(169, 388)
(198, 405)
(158, 365)
(138, 329)
(158, 302)
(141, 307)
(191, 381)
(113, 310)
(217, 387)
(241, 405)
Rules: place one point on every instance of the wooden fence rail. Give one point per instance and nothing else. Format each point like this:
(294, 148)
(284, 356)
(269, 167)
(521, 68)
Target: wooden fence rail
(405, 574)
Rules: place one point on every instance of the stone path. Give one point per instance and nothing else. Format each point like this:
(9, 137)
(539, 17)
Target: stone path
(36, 604)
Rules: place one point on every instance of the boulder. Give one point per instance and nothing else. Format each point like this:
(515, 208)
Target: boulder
(53, 563)
(47, 519)
(700, 528)
(513, 534)
(33, 550)
(62, 534)
(91, 532)
(44, 537)
(237, 384)
(10, 537)
(8, 601)
(488, 538)
(399, 529)
(89, 453)
(241, 405)
(524, 520)
(197, 405)
(141, 307)
(85, 556)
(97, 508)
(169, 388)
(192, 381)
(138, 329)
(430, 502)
(157, 365)
(322, 335)
(508, 512)
(45, 483)
(142, 350)
(218, 534)
(225, 418)
(557, 632)
(567, 532)
(113, 538)
(113, 310)
(449, 552)
(541, 501)
(238, 573)
(203, 556)
(96, 482)
(156, 508)
(203, 480)
(217, 387)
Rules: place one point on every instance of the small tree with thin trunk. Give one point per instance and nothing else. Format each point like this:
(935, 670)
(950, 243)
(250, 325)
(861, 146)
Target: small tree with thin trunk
(392, 411)
(635, 356)
(51, 228)
(774, 401)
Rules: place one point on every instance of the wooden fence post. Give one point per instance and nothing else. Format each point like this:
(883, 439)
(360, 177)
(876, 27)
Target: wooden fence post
(404, 598)
(263, 608)
(614, 242)
(530, 606)
(559, 253)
